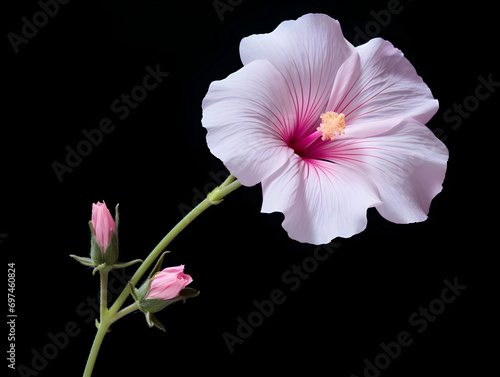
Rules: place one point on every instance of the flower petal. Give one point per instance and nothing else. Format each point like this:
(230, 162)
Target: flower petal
(103, 224)
(248, 118)
(320, 200)
(308, 52)
(168, 283)
(407, 163)
(386, 90)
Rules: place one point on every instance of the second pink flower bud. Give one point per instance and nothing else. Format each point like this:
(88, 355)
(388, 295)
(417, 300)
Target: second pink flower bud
(162, 288)
(167, 283)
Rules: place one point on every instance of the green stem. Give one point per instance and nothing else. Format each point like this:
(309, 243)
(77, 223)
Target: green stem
(99, 337)
(104, 292)
(105, 323)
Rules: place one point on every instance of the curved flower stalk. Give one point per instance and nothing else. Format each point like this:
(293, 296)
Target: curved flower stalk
(328, 129)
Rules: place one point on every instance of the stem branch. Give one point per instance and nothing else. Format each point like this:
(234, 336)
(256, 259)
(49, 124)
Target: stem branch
(129, 309)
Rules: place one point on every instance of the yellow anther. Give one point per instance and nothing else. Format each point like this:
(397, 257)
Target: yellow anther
(332, 124)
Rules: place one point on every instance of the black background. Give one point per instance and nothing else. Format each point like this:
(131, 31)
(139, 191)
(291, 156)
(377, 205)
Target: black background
(63, 81)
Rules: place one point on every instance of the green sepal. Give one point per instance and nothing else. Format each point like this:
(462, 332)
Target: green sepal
(153, 321)
(126, 264)
(133, 291)
(158, 264)
(83, 260)
(117, 217)
(153, 305)
(95, 249)
(188, 293)
(101, 267)
(112, 250)
(111, 253)
(150, 306)
(142, 292)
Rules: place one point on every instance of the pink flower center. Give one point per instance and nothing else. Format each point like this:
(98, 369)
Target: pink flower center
(332, 125)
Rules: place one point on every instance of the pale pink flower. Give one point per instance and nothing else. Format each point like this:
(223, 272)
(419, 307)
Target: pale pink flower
(103, 224)
(167, 283)
(328, 129)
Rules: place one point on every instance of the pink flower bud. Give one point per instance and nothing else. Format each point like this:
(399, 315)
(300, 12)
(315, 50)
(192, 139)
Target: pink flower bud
(103, 224)
(167, 283)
